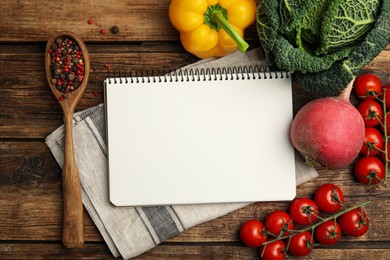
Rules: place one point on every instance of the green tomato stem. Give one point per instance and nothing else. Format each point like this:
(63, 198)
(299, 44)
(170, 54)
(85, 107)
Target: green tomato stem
(313, 226)
(218, 18)
(386, 136)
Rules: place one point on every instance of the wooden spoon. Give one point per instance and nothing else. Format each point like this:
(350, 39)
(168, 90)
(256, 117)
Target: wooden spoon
(73, 227)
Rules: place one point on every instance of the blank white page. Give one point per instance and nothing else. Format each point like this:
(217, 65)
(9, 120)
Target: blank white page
(191, 142)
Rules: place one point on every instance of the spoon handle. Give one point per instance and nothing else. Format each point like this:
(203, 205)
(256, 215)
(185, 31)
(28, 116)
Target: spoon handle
(73, 228)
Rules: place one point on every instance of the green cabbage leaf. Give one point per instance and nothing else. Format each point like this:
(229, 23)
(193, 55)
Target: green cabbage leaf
(326, 42)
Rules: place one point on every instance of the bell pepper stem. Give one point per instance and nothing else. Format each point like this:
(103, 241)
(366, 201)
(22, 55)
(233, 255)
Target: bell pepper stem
(218, 18)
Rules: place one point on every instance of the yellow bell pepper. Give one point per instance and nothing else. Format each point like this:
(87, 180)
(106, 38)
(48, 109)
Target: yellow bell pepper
(212, 28)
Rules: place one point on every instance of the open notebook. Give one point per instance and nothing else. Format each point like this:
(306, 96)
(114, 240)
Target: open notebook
(200, 136)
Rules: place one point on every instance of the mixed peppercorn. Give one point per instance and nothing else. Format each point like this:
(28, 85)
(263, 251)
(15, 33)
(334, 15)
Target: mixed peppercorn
(67, 65)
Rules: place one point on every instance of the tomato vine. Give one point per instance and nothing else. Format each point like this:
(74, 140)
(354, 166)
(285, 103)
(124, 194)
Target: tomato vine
(314, 225)
(373, 166)
(386, 152)
(279, 236)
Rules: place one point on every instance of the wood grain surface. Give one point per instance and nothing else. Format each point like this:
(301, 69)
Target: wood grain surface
(30, 179)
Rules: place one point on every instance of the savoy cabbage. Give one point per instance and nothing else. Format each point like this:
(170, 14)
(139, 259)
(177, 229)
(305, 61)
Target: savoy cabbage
(325, 41)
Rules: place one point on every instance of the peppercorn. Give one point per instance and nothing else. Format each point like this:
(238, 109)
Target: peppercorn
(71, 77)
(67, 65)
(59, 40)
(115, 29)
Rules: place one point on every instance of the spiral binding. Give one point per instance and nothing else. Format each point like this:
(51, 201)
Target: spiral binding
(190, 74)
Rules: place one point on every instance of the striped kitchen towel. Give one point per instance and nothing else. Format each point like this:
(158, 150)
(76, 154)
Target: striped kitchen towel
(130, 231)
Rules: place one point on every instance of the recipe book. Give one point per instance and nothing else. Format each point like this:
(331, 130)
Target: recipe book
(200, 136)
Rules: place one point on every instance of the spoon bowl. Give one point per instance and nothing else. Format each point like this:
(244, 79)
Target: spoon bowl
(73, 227)
(72, 100)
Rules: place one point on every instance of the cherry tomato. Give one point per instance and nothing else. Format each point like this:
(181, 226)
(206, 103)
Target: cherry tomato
(367, 86)
(369, 170)
(251, 233)
(329, 198)
(301, 244)
(278, 223)
(373, 141)
(304, 211)
(354, 223)
(371, 112)
(274, 251)
(387, 95)
(328, 233)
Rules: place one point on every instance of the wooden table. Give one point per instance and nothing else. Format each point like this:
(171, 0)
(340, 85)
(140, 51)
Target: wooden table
(30, 178)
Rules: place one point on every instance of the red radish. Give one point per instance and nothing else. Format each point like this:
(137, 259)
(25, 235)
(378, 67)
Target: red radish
(329, 131)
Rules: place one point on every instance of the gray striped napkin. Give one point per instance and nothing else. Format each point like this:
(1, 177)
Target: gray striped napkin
(130, 231)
